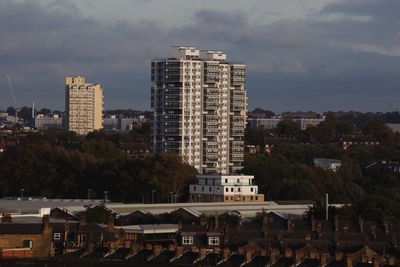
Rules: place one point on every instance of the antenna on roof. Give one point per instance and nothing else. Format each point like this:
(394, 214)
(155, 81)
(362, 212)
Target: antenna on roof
(326, 206)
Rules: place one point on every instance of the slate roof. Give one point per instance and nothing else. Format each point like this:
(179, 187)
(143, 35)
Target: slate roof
(235, 260)
(210, 259)
(21, 228)
(188, 257)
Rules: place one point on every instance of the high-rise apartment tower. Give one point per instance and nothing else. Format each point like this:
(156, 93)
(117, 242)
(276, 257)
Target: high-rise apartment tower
(83, 105)
(200, 104)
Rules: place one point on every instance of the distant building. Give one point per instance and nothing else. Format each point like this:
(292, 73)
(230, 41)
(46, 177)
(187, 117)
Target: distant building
(390, 166)
(306, 123)
(123, 124)
(48, 122)
(225, 188)
(116, 123)
(328, 164)
(83, 105)
(394, 126)
(272, 123)
(300, 115)
(358, 140)
(265, 123)
(199, 101)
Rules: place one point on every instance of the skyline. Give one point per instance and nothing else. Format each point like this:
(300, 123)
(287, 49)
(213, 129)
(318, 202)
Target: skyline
(330, 55)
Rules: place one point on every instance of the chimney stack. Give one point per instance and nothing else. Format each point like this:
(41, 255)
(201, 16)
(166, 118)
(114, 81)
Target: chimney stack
(361, 224)
(110, 224)
(6, 218)
(290, 224)
(336, 223)
(264, 226)
(82, 218)
(386, 225)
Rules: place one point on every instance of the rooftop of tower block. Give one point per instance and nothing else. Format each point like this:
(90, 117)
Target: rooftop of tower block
(190, 52)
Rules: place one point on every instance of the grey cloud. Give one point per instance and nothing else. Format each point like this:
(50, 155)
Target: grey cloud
(292, 64)
(380, 10)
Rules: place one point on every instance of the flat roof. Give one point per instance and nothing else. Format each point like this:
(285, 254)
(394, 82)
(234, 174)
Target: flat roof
(149, 228)
(34, 205)
(246, 209)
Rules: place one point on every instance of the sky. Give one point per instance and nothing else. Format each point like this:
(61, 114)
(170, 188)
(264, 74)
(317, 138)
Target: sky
(300, 54)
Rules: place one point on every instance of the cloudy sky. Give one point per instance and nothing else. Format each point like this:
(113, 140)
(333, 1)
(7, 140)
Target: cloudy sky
(300, 54)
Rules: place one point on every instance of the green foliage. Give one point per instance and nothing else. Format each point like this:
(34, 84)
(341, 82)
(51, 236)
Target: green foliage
(64, 165)
(255, 136)
(377, 127)
(287, 127)
(98, 214)
(288, 174)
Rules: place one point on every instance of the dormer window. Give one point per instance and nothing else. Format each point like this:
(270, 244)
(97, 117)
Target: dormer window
(213, 240)
(187, 240)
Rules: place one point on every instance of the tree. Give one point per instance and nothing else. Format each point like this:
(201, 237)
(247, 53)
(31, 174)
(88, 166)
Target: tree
(377, 127)
(98, 214)
(45, 111)
(287, 127)
(25, 113)
(255, 136)
(11, 111)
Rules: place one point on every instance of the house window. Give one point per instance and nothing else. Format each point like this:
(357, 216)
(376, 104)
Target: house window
(210, 189)
(227, 189)
(27, 243)
(226, 181)
(213, 240)
(187, 240)
(194, 188)
(239, 189)
(57, 236)
(231, 189)
(252, 189)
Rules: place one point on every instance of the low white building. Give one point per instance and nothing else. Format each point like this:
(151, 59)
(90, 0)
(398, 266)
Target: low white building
(328, 164)
(224, 188)
(53, 121)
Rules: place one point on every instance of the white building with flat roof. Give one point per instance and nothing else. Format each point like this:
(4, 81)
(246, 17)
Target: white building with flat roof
(328, 164)
(224, 188)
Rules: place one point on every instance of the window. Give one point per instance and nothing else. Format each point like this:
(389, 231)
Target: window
(252, 189)
(226, 181)
(213, 240)
(227, 189)
(194, 188)
(231, 189)
(187, 240)
(57, 236)
(239, 189)
(27, 243)
(210, 189)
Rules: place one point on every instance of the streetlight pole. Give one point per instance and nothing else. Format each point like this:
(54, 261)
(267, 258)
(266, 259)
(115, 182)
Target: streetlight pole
(152, 196)
(170, 195)
(89, 190)
(105, 196)
(22, 193)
